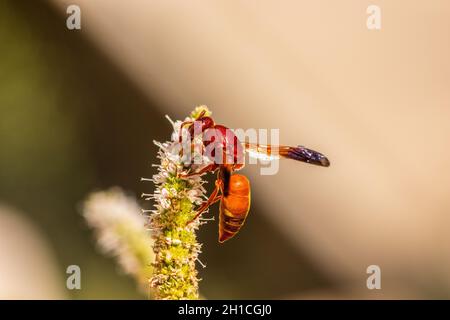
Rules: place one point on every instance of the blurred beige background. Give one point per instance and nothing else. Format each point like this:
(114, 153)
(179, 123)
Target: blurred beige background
(375, 102)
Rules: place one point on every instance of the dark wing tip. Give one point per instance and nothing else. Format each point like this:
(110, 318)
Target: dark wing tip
(325, 162)
(303, 154)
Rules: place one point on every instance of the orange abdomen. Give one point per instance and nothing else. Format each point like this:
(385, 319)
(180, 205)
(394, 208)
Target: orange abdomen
(234, 207)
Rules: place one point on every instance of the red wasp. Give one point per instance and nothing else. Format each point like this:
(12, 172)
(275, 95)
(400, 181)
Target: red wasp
(233, 190)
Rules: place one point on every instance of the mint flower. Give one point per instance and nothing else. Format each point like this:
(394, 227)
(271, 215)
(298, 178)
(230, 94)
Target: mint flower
(176, 248)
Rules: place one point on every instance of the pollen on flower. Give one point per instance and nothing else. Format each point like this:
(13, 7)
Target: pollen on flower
(173, 228)
(198, 110)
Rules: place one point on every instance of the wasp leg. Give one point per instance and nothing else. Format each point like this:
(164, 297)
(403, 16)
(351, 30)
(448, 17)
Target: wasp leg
(213, 198)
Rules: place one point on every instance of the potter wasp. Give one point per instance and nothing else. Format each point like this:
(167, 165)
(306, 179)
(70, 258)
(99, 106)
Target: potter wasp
(232, 189)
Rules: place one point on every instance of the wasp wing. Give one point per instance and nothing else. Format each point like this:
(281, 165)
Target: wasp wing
(299, 153)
